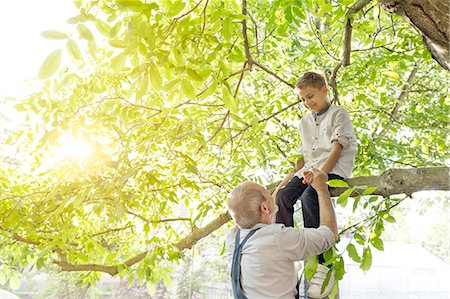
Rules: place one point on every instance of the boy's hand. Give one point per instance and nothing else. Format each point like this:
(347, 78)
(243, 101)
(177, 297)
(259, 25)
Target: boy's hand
(316, 178)
(299, 165)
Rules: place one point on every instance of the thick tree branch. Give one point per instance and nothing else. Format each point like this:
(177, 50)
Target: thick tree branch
(431, 19)
(391, 182)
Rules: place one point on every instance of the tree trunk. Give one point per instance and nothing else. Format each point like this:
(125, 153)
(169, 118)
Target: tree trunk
(431, 19)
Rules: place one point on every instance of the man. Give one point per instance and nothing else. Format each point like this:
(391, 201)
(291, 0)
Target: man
(263, 260)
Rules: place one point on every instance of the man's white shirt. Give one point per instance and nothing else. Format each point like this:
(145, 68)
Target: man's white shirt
(267, 263)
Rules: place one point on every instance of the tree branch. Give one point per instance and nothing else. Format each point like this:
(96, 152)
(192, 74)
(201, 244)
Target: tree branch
(273, 74)
(395, 181)
(401, 99)
(248, 54)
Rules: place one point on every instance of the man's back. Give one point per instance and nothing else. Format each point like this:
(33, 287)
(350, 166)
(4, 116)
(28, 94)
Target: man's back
(267, 264)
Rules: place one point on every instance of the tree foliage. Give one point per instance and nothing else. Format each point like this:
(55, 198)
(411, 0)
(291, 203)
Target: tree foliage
(179, 101)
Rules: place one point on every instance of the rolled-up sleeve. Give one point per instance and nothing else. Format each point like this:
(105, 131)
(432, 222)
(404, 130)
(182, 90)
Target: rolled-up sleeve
(343, 130)
(300, 244)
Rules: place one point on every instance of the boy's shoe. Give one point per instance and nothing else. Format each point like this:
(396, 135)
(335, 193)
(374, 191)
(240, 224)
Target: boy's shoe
(315, 285)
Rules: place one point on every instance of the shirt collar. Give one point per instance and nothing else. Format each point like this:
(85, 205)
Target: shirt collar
(321, 111)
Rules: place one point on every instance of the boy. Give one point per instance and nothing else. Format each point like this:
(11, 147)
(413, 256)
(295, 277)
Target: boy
(328, 143)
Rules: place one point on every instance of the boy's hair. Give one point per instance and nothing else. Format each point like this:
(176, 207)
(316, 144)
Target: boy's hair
(311, 79)
(244, 205)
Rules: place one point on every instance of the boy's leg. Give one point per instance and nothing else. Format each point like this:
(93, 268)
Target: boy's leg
(286, 199)
(310, 204)
(310, 208)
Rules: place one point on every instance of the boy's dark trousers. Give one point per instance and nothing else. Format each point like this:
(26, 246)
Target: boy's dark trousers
(288, 196)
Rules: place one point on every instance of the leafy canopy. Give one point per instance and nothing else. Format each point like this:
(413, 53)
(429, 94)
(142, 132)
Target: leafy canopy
(171, 113)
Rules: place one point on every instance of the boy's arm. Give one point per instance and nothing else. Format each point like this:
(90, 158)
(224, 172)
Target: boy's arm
(336, 149)
(290, 175)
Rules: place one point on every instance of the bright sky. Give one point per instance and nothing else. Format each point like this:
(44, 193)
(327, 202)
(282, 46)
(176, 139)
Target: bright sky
(23, 49)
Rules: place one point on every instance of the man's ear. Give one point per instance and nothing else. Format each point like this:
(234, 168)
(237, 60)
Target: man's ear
(264, 208)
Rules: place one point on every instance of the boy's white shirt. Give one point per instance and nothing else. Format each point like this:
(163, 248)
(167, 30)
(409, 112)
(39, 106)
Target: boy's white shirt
(268, 268)
(317, 132)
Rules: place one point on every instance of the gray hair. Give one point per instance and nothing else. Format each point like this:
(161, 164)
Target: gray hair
(244, 205)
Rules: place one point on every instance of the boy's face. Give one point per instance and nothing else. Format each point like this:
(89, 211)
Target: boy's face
(315, 99)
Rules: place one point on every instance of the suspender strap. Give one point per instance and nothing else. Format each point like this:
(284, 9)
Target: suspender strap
(238, 293)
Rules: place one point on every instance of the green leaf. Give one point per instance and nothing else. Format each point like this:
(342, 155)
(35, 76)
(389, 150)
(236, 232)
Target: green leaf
(377, 243)
(103, 28)
(142, 86)
(14, 282)
(288, 13)
(73, 49)
(355, 203)
(118, 62)
(167, 279)
(188, 89)
(359, 239)
(227, 29)
(120, 211)
(194, 75)
(176, 8)
(151, 288)
(366, 261)
(115, 29)
(343, 198)
(295, 158)
(155, 77)
(337, 183)
(53, 34)
(210, 90)
(388, 218)
(311, 267)
(85, 32)
(299, 12)
(352, 253)
(50, 65)
(229, 101)
(392, 75)
(369, 190)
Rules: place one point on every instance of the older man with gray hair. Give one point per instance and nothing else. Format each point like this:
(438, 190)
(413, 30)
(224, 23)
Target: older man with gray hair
(263, 252)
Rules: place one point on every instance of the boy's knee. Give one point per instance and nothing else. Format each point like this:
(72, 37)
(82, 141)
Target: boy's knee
(282, 197)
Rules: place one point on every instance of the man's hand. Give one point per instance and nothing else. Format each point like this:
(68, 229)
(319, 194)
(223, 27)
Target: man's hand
(316, 178)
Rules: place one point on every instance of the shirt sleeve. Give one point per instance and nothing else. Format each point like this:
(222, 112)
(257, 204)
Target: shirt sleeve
(301, 244)
(229, 244)
(343, 130)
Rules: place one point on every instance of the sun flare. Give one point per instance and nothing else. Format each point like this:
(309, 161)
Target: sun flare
(72, 147)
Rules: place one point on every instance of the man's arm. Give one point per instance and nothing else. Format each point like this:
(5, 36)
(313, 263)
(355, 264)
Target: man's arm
(318, 180)
(336, 149)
